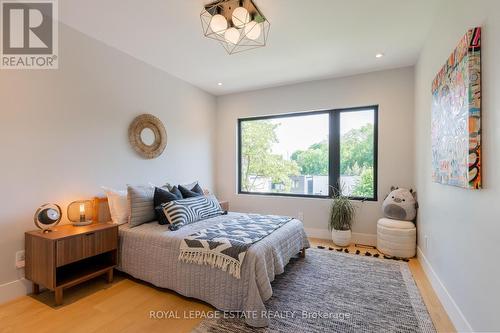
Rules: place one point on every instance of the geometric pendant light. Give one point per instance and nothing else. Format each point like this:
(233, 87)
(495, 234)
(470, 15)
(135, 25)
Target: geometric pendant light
(237, 24)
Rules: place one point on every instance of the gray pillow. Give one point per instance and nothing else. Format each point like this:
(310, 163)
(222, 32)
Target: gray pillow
(141, 204)
(188, 186)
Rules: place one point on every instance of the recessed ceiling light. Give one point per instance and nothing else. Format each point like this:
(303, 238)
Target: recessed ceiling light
(219, 84)
(379, 55)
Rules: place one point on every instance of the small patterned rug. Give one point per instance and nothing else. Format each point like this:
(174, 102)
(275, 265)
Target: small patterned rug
(336, 292)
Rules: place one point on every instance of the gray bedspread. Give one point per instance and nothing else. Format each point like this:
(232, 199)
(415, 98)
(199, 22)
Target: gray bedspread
(150, 252)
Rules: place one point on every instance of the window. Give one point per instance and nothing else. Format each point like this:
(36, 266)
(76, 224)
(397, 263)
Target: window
(302, 154)
(357, 153)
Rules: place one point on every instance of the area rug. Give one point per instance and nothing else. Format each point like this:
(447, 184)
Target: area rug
(335, 292)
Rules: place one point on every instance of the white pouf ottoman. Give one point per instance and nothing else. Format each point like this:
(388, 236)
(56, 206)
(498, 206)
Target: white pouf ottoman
(396, 238)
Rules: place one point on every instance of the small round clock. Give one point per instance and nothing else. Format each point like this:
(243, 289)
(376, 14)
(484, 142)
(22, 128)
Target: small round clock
(47, 216)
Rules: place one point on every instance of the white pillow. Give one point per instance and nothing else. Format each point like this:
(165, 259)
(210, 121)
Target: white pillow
(118, 205)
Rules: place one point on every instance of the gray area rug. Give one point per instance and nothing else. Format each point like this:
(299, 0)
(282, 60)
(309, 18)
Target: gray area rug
(336, 292)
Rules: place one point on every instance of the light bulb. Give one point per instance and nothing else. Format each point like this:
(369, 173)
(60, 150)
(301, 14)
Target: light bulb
(252, 30)
(218, 24)
(232, 35)
(240, 17)
(82, 212)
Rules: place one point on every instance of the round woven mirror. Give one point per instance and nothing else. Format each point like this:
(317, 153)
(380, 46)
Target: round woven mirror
(147, 136)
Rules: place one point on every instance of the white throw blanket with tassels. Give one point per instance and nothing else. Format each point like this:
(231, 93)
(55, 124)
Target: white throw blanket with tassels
(224, 245)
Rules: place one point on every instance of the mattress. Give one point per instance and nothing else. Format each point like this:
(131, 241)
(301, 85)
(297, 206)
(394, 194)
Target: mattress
(150, 252)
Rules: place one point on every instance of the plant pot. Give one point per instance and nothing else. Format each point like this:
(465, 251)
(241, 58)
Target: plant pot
(341, 237)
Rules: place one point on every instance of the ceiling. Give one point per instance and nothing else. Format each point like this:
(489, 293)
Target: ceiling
(309, 39)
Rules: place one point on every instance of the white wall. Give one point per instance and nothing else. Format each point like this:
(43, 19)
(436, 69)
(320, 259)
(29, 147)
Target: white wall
(393, 90)
(463, 226)
(63, 134)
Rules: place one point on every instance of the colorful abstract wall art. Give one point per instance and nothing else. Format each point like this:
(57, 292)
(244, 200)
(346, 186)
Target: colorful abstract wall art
(456, 116)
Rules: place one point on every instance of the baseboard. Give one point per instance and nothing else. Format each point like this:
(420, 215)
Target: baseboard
(456, 316)
(357, 238)
(14, 289)
(318, 233)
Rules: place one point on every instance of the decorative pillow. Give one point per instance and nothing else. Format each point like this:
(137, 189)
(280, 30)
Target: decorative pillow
(190, 185)
(175, 191)
(141, 201)
(197, 189)
(186, 193)
(400, 204)
(160, 215)
(162, 196)
(118, 205)
(190, 210)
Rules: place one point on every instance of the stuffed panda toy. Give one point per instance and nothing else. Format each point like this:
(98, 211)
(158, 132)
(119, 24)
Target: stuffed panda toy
(400, 204)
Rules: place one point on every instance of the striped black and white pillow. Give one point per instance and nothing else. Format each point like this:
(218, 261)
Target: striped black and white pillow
(186, 211)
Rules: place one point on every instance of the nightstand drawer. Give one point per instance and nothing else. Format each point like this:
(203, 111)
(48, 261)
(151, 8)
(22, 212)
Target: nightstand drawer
(79, 247)
(70, 249)
(105, 240)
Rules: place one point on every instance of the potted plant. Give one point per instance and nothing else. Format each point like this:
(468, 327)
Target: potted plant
(341, 218)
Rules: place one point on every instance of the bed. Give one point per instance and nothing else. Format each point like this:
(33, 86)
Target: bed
(150, 252)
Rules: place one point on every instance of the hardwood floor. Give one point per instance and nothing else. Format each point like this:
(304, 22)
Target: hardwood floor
(126, 305)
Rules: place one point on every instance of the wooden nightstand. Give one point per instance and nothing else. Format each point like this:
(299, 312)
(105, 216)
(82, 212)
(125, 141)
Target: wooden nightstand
(70, 255)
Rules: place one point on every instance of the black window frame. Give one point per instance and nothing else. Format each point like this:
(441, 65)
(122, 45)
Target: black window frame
(333, 150)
